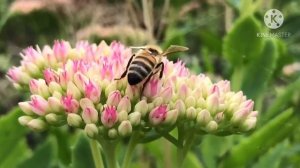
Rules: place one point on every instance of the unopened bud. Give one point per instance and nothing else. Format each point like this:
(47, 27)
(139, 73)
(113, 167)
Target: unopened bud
(114, 98)
(201, 103)
(110, 88)
(112, 133)
(74, 120)
(166, 94)
(91, 130)
(109, 116)
(55, 104)
(37, 125)
(203, 117)
(212, 103)
(190, 101)
(90, 115)
(249, 124)
(135, 118)
(191, 113)
(24, 120)
(122, 116)
(212, 126)
(171, 117)
(54, 119)
(158, 101)
(25, 107)
(124, 104)
(54, 87)
(86, 103)
(73, 90)
(125, 128)
(180, 106)
(141, 107)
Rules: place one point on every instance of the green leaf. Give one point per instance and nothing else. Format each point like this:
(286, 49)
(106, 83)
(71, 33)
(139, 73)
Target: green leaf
(11, 133)
(19, 152)
(260, 141)
(43, 156)
(282, 100)
(258, 73)
(81, 154)
(273, 157)
(241, 44)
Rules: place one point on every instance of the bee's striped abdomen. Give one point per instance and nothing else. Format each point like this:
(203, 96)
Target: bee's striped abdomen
(140, 68)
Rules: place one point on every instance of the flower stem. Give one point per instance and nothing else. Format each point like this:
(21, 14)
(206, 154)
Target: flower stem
(109, 149)
(182, 151)
(96, 154)
(129, 151)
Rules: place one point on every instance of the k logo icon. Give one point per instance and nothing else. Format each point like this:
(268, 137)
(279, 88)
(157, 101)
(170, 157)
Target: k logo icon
(273, 18)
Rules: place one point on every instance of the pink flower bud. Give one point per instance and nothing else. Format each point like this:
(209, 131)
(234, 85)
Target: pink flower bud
(133, 92)
(158, 115)
(167, 94)
(90, 115)
(152, 88)
(39, 105)
(124, 104)
(224, 85)
(183, 91)
(15, 74)
(92, 91)
(109, 116)
(60, 49)
(214, 89)
(212, 103)
(70, 105)
(239, 116)
(80, 80)
(33, 86)
(125, 128)
(64, 78)
(247, 105)
(25, 107)
(50, 75)
(114, 98)
(219, 117)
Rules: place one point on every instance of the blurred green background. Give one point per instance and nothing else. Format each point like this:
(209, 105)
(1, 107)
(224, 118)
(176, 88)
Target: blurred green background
(225, 43)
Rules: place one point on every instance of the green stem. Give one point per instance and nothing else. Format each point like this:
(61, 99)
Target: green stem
(96, 154)
(129, 151)
(182, 151)
(109, 149)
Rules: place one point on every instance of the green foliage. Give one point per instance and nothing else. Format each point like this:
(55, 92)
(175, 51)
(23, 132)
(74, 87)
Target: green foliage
(241, 44)
(81, 153)
(12, 138)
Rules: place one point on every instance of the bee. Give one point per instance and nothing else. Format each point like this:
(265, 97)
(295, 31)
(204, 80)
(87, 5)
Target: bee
(146, 62)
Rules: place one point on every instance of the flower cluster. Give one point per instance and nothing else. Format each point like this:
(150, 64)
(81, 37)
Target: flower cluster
(77, 86)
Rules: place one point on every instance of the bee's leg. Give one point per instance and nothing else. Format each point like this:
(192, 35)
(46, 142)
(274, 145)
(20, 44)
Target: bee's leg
(145, 83)
(161, 66)
(125, 72)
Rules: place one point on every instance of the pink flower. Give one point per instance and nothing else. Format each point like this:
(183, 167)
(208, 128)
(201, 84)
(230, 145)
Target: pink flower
(60, 49)
(70, 105)
(152, 88)
(39, 105)
(158, 115)
(109, 116)
(50, 75)
(92, 91)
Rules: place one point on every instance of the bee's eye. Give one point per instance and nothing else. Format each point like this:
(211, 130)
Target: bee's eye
(153, 51)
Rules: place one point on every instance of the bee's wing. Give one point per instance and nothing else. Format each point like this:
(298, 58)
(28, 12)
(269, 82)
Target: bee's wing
(173, 49)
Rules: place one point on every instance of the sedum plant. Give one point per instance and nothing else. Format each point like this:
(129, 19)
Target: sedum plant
(75, 86)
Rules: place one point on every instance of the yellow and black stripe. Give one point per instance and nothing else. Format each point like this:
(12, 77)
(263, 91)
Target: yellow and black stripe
(140, 68)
